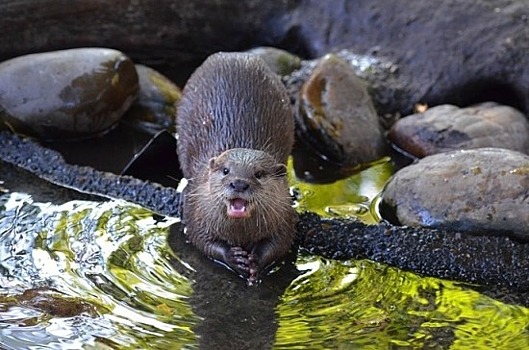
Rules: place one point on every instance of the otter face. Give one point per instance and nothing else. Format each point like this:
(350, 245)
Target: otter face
(240, 175)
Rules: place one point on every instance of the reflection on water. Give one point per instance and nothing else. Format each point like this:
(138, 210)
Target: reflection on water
(109, 254)
(353, 197)
(366, 305)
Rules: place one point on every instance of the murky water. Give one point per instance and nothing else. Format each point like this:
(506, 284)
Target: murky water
(87, 273)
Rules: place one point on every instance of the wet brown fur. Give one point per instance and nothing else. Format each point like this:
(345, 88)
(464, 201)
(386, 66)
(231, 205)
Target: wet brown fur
(235, 113)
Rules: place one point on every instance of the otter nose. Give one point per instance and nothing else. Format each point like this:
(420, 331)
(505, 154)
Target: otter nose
(239, 185)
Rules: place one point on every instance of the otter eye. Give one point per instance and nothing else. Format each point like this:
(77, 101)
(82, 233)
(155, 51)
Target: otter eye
(225, 171)
(259, 174)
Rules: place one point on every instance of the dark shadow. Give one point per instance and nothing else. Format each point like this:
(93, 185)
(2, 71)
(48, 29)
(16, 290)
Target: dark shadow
(485, 90)
(312, 167)
(293, 42)
(234, 316)
(388, 213)
(109, 152)
(157, 161)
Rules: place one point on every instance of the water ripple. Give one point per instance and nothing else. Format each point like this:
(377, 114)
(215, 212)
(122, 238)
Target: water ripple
(98, 275)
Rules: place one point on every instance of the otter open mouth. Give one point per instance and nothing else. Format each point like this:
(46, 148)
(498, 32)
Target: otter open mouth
(238, 208)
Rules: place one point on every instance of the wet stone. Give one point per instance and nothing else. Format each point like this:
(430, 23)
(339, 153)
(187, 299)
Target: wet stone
(54, 303)
(336, 118)
(446, 127)
(384, 83)
(68, 94)
(155, 107)
(482, 191)
(280, 61)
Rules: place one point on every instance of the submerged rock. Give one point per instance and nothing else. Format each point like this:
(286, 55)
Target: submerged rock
(446, 128)
(54, 303)
(336, 118)
(483, 191)
(66, 94)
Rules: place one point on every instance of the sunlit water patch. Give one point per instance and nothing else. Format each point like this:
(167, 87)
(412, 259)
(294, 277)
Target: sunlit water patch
(353, 197)
(365, 305)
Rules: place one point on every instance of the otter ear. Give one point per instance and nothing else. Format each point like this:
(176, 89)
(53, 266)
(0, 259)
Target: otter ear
(280, 170)
(212, 162)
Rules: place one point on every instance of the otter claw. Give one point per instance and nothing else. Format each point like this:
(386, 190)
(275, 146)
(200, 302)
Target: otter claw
(237, 259)
(242, 261)
(238, 251)
(253, 269)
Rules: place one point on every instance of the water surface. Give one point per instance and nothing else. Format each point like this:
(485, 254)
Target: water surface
(79, 272)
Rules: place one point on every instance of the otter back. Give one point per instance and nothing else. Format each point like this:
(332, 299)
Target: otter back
(233, 100)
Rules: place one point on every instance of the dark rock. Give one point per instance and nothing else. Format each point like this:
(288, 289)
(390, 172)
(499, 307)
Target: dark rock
(171, 37)
(456, 52)
(481, 191)
(280, 61)
(66, 94)
(447, 128)
(336, 118)
(155, 107)
(381, 76)
(383, 80)
(452, 52)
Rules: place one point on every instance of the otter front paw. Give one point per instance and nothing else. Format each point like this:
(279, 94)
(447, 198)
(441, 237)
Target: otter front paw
(238, 259)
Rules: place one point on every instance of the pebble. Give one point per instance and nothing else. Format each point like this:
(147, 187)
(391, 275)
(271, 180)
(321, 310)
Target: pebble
(446, 128)
(280, 61)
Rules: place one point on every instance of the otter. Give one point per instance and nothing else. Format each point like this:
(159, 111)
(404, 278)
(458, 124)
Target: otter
(235, 130)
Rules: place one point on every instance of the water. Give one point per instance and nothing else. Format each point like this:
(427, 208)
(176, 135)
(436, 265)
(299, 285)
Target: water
(80, 272)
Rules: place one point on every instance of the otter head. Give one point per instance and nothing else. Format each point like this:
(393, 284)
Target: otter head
(237, 177)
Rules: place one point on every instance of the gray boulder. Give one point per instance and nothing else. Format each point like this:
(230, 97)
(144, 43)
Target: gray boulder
(484, 191)
(67, 94)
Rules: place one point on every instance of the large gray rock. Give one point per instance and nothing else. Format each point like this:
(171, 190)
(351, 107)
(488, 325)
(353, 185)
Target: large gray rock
(484, 190)
(447, 128)
(66, 94)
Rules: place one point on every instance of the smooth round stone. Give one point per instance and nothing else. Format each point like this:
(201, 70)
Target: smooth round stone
(280, 61)
(446, 128)
(155, 107)
(336, 115)
(68, 94)
(484, 190)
